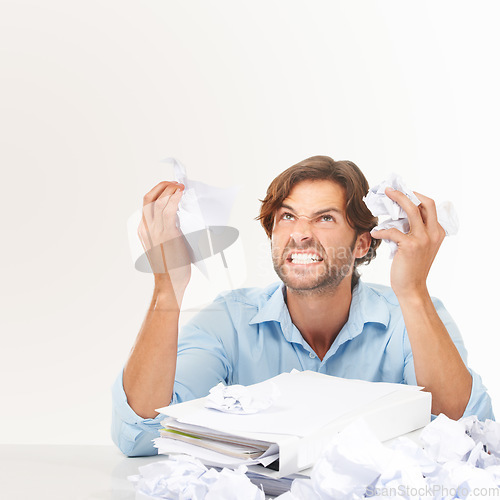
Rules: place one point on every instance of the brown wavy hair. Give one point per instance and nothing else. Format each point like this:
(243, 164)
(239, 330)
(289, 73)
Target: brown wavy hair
(344, 173)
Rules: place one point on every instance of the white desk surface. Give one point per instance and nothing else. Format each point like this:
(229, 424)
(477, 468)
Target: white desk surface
(67, 472)
(72, 472)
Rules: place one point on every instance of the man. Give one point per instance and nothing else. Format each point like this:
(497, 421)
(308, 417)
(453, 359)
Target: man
(321, 317)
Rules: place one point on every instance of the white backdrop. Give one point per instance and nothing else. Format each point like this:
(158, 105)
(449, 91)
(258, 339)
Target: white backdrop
(94, 94)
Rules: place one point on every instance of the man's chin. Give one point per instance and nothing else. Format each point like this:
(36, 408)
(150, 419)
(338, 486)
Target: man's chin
(302, 287)
(308, 279)
(304, 281)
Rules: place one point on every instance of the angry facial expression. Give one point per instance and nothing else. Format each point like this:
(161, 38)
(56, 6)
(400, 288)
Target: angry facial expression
(313, 246)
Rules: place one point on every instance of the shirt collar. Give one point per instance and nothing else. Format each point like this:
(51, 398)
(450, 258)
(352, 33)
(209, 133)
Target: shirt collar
(366, 307)
(274, 309)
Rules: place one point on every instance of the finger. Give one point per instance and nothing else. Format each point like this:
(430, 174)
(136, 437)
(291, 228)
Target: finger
(149, 199)
(164, 199)
(391, 234)
(428, 210)
(153, 195)
(173, 205)
(412, 210)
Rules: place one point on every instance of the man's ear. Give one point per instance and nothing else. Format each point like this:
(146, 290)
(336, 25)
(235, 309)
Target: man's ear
(363, 243)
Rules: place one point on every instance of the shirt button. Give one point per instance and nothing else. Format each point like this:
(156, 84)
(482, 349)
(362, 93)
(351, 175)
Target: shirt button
(312, 355)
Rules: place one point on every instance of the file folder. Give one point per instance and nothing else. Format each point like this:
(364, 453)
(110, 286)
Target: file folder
(294, 430)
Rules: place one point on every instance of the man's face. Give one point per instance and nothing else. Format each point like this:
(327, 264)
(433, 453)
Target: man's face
(313, 254)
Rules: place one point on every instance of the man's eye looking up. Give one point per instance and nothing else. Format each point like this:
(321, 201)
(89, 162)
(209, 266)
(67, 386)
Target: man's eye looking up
(327, 218)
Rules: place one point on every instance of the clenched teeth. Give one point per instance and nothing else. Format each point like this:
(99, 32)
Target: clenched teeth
(304, 258)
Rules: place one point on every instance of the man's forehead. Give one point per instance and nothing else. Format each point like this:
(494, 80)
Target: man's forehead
(316, 195)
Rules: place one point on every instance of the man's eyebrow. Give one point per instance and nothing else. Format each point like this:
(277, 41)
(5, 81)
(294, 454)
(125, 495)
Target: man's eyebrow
(319, 212)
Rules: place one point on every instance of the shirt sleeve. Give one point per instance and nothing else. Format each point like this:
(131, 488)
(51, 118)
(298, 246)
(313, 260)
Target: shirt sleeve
(204, 354)
(479, 401)
(132, 434)
(202, 362)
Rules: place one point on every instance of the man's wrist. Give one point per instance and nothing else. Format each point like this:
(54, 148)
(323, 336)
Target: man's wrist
(415, 296)
(164, 296)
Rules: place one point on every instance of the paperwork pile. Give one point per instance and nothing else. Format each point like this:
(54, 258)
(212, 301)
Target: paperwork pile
(307, 410)
(455, 460)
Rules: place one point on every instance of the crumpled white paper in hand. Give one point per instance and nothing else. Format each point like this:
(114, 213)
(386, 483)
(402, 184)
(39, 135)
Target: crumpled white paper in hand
(381, 205)
(201, 207)
(185, 478)
(240, 399)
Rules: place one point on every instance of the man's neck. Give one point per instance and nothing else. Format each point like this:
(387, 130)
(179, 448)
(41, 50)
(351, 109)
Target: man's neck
(320, 316)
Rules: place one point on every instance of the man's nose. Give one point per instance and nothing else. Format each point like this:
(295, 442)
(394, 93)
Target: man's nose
(301, 230)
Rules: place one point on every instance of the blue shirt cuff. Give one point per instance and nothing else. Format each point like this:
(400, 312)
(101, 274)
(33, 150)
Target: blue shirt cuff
(479, 402)
(130, 432)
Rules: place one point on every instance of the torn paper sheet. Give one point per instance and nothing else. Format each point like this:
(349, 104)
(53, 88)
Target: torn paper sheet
(185, 478)
(448, 218)
(380, 205)
(203, 206)
(241, 400)
(202, 217)
(214, 247)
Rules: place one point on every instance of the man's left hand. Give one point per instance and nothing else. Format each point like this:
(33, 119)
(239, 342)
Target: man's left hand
(416, 249)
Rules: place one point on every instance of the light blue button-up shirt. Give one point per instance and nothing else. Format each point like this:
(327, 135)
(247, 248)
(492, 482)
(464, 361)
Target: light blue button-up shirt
(246, 336)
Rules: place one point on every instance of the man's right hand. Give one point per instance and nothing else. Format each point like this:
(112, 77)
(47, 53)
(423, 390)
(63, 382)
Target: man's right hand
(162, 240)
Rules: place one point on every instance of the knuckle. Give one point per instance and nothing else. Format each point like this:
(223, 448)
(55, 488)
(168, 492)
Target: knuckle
(413, 209)
(420, 196)
(159, 204)
(425, 240)
(411, 244)
(438, 234)
(169, 213)
(419, 243)
(148, 200)
(435, 237)
(149, 195)
(168, 191)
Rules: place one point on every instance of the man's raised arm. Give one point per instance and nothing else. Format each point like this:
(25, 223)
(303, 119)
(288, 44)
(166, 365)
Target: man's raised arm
(148, 377)
(438, 365)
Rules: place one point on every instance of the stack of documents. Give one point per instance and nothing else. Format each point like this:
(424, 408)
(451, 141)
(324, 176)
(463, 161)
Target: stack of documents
(289, 436)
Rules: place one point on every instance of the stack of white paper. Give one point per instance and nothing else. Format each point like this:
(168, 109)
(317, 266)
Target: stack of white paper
(289, 435)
